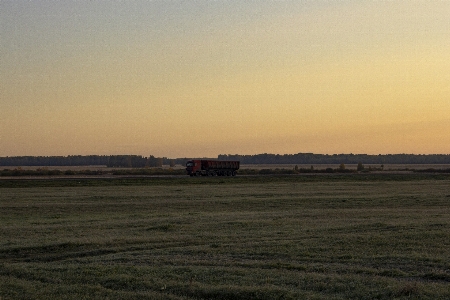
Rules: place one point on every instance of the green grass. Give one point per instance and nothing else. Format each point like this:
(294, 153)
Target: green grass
(274, 237)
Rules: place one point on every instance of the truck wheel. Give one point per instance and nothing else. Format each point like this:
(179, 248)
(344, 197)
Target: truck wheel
(234, 173)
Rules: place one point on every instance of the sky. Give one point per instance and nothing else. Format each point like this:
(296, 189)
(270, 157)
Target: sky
(200, 78)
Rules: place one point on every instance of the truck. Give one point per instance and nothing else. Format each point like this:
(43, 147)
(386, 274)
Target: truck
(199, 167)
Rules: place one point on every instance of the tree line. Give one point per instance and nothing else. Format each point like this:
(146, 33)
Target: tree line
(138, 161)
(113, 161)
(311, 158)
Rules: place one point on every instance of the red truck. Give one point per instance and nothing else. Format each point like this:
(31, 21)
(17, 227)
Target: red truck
(212, 167)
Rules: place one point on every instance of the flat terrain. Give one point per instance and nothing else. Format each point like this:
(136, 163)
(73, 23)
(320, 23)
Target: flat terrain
(386, 167)
(262, 237)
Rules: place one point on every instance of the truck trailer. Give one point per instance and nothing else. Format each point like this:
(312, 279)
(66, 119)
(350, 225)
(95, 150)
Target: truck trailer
(212, 167)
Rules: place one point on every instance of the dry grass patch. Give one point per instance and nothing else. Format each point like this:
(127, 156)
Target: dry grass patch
(233, 239)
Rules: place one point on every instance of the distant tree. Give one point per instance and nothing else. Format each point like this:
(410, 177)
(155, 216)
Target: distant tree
(342, 167)
(172, 163)
(159, 162)
(151, 161)
(360, 167)
(154, 161)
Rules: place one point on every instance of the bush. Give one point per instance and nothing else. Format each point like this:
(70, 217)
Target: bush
(360, 167)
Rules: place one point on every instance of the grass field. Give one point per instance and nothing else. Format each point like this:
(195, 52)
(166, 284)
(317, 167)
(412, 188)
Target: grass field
(266, 237)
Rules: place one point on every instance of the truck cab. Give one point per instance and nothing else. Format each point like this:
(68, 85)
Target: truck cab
(194, 167)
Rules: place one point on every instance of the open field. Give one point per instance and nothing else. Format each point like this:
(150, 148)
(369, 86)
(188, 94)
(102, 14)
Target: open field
(387, 167)
(262, 237)
(102, 172)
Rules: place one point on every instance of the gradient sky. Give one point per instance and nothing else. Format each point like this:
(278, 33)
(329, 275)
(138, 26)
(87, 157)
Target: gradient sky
(202, 78)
